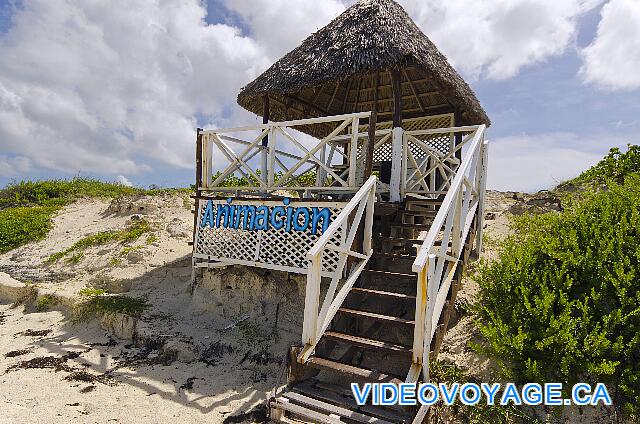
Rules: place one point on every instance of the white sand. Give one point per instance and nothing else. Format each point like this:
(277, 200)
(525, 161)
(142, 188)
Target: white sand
(177, 329)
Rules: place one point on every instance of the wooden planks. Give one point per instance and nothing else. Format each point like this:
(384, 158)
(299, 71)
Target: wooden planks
(353, 371)
(334, 394)
(332, 409)
(366, 343)
(395, 275)
(391, 295)
(377, 317)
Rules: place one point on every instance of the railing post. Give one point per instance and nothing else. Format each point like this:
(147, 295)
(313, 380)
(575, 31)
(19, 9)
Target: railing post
(396, 164)
(420, 319)
(432, 293)
(320, 174)
(481, 194)
(368, 223)
(353, 153)
(272, 157)
(312, 301)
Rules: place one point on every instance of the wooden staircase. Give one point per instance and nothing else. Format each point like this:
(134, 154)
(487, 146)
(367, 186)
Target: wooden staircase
(370, 338)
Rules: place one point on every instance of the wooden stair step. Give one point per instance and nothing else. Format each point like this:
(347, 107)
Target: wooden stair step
(378, 317)
(385, 209)
(422, 202)
(322, 406)
(400, 240)
(356, 372)
(399, 275)
(417, 226)
(431, 214)
(393, 295)
(303, 412)
(393, 255)
(366, 343)
(339, 395)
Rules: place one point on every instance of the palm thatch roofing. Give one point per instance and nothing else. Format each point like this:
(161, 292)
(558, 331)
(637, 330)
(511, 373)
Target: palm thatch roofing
(337, 69)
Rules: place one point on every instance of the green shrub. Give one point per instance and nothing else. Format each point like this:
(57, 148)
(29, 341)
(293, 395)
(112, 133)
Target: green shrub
(22, 224)
(27, 207)
(441, 372)
(562, 302)
(46, 302)
(616, 166)
(60, 192)
(90, 291)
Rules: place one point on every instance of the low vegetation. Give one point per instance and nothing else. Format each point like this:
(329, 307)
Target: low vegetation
(20, 225)
(562, 302)
(98, 301)
(46, 302)
(305, 180)
(616, 166)
(26, 207)
(441, 372)
(131, 233)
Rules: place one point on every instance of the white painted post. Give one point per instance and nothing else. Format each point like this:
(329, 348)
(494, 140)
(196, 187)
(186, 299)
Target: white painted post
(368, 223)
(263, 163)
(353, 154)
(320, 173)
(271, 164)
(420, 318)
(482, 195)
(396, 164)
(312, 301)
(432, 293)
(405, 169)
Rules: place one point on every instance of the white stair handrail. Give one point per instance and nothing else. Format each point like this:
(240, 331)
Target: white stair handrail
(318, 317)
(436, 265)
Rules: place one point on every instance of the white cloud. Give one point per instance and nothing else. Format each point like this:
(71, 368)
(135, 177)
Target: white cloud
(122, 180)
(111, 86)
(497, 38)
(281, 25)
(535, 162)
(613, 59)
(12, 167)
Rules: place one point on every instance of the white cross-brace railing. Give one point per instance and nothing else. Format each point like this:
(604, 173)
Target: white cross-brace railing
(284, 157)
(441, 251)
(427, 171)
(317, 318)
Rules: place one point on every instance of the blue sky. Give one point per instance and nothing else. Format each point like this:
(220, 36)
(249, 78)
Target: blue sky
(115, 92)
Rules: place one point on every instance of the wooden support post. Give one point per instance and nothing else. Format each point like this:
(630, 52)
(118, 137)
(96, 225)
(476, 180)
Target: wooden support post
(197, 201)
(373, 120)
(398, 135)
(311, 306)
(484, 159)
(198, 180)
(396, 86)
(396, 164)
(457, 121)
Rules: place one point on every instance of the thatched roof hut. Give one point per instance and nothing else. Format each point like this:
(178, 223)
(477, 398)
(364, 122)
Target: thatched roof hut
(352, 65)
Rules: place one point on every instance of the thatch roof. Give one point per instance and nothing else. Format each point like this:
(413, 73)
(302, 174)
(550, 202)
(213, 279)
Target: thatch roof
(333, 71)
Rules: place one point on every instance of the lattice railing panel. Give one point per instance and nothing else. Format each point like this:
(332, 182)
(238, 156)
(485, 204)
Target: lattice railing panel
(441, 142)
(273, 248)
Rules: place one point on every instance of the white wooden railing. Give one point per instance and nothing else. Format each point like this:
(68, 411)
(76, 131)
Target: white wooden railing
(317, 318)
(428, 171)
(284, 158)
(442, 248)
